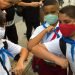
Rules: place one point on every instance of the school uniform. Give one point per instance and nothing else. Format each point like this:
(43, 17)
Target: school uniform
(44, 67)
(13, 49)
(48, 36)
(54, 47)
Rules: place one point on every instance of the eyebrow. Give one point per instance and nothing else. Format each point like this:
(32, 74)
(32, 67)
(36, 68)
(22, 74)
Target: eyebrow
(65, 21)
(51, 12)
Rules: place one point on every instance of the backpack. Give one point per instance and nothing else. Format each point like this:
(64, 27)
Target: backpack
(63, 49)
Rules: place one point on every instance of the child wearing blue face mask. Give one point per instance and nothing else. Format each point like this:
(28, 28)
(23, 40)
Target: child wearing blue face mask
(51, 19)
(48, 31)
(9, 49)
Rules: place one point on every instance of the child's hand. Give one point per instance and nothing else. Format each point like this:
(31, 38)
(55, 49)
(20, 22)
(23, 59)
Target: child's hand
(18, 70)
(49, 28)
(63, 63)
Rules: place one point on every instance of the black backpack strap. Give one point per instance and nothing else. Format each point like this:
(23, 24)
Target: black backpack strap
(5, 45)
(62, 46)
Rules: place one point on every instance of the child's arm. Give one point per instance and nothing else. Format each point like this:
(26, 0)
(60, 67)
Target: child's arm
(20, 64)
(41, 52)
(15, 49)
(36, 40)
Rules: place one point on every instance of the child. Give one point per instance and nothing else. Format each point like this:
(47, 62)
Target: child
(31, 15)
(7, 49)
(44, 33)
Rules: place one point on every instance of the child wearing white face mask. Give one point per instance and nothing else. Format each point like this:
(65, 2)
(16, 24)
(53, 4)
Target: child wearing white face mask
(9, 49)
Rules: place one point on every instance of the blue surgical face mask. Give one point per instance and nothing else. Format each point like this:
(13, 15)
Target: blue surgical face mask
(51, 19)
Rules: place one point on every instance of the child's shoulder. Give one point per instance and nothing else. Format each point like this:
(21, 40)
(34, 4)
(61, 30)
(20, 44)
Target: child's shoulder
(6, 40)
(40, 27)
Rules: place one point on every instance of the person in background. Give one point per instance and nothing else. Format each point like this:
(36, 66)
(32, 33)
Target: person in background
(10, 27)
(48, 31)
(61, 2)
(4, 4)
(31, 15)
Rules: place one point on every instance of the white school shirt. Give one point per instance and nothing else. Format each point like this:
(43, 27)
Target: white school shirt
(14, 49)
(54, 47)
(40, 28)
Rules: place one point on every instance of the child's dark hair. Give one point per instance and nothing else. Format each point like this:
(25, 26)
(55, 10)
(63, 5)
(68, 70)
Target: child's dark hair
(50, 2)
(2, 19)
(68, 10)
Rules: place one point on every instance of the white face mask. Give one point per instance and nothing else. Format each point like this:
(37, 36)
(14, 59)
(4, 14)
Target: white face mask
(2, 32)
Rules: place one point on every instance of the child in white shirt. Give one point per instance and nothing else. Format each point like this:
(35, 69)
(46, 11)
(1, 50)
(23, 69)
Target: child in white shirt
(9, 49)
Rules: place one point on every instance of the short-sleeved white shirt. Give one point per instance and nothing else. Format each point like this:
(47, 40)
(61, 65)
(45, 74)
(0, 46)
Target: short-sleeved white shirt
(45, 39)
(40, 29)
(14, 49)
(54, 47)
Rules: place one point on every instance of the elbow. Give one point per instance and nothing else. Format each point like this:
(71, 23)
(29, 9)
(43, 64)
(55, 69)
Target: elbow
(31, 45)
(24, 50)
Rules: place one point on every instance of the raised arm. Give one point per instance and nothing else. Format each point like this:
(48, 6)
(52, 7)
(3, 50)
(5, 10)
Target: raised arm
(36, 40)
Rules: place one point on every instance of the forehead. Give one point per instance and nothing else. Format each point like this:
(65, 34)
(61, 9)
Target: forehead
(51, 8)
(64, 17)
